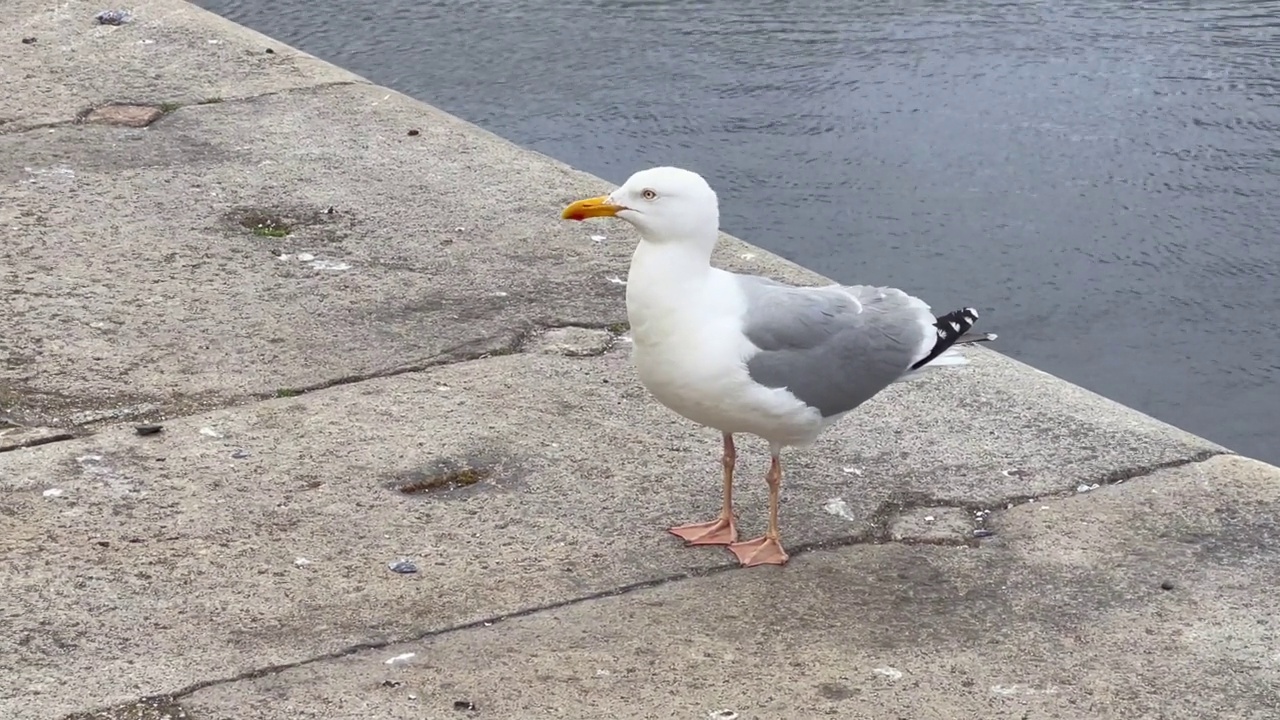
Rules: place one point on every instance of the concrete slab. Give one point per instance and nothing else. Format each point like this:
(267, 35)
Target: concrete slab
(59, 63)
(260, 535)
(375, 341)
(1065, 616)
(141, 278)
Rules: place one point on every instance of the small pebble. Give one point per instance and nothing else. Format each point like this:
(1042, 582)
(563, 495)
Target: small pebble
(464, 705)
(391, 683)
(103, 543)
(149, 429)
(240, 454)
(270, 51)
(28, 41)
(413, 133)
(983, 532)
(1166, 585)
(402, 566)
(113, 17)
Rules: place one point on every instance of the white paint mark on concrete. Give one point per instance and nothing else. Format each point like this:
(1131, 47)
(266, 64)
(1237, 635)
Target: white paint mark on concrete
(330, 265)
(1019, 689)
(839, 508)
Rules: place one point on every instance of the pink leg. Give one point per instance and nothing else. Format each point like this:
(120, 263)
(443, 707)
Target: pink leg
(720, 531)
(766, 549)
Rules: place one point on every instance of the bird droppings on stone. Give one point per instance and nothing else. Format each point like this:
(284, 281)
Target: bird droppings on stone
(891, 673)
(839, 508)
(572, 341)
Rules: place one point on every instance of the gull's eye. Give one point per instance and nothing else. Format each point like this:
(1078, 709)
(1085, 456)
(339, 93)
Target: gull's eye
(649, 194)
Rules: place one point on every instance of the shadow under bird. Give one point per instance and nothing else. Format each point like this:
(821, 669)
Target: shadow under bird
(747, 354)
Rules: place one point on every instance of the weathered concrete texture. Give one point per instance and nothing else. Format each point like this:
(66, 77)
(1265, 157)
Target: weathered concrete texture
(1065, 616)
(133, 277)
(170, 52)
(298, 236)
(144, 270)
(266, 530)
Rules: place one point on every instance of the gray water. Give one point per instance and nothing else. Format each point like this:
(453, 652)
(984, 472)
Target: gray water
(1098, 177)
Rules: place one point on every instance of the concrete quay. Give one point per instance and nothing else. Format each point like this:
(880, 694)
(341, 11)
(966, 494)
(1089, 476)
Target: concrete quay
(369, 338)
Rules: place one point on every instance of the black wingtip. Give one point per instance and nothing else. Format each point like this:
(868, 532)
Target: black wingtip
(951, 328)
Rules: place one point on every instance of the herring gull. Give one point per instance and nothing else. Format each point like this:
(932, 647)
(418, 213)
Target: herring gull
(747, 354)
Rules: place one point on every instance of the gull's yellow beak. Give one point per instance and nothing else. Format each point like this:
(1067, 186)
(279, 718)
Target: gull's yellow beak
(591, 208)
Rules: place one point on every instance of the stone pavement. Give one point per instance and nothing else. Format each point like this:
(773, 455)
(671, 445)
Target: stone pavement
(369, 338)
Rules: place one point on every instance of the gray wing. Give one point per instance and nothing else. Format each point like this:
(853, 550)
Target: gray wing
(831, 350)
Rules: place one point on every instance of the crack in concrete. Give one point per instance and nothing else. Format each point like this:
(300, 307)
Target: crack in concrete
(80, 116)
(512, 342)
(877, 534)
(895, 507)
(36, 442)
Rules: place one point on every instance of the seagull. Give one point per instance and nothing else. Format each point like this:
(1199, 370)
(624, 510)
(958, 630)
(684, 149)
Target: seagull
(747, 354)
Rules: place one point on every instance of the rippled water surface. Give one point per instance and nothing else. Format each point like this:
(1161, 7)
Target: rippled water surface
(1100, 178)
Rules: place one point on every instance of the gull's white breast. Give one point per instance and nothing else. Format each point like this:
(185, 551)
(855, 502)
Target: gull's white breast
(690, 352)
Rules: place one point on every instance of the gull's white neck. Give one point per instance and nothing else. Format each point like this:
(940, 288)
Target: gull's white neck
(664, 277)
